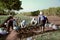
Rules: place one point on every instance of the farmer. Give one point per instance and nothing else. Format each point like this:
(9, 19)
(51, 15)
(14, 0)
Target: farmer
(23, 24)
(15, 26)
(10, 23)
(33, 21)
(14, 22)
(42, 20)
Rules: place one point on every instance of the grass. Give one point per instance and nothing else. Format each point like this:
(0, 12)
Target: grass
(49, 36)
(3, 18)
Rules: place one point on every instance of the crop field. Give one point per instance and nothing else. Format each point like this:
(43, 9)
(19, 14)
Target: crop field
(22, 17)
(45, 36)
(55, 35)
(3, 18)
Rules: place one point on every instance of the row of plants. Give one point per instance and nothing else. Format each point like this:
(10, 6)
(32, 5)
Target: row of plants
(23, 17)
(3, 18)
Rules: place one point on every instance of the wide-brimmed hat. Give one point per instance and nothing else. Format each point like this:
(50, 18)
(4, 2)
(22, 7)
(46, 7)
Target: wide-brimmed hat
(41, 13)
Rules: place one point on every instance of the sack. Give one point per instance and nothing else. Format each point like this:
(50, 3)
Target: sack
(54, 27)
(16, 27)
(46, 25)
(3, 32)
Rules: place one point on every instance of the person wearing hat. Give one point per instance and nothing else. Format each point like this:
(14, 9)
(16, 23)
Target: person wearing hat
(10, 23)
(23, 24)
(33, 21)
(42, 20)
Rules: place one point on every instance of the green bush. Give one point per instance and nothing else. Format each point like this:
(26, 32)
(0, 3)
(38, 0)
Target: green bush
(35, 13)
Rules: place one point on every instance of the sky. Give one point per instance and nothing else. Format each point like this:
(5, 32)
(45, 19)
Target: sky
(33, 5)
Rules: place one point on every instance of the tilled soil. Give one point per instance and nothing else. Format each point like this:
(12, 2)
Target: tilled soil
(12, 36)
(54, 19)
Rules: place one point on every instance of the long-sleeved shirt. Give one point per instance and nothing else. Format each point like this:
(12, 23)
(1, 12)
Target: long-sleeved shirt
(42, 17)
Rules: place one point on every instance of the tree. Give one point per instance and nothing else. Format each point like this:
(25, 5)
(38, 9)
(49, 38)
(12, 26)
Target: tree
(35, 13)
(11, 4)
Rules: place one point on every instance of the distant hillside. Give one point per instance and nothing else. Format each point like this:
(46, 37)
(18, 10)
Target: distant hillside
(52, 11)
(55, 11)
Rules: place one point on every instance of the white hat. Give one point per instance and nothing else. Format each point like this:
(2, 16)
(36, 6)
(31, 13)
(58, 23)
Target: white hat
(41, 13)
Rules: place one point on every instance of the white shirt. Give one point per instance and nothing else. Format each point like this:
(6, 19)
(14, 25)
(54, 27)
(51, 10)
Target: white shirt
(35, 21)
(23, 23)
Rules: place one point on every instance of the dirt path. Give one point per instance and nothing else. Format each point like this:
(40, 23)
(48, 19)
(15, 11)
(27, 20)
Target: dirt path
(12, 36)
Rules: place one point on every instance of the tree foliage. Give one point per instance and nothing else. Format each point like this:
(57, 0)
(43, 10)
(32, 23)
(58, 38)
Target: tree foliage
(12, 4)
(35, 13)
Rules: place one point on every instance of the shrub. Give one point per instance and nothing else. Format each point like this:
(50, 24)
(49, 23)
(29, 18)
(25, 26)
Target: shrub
(35, 13)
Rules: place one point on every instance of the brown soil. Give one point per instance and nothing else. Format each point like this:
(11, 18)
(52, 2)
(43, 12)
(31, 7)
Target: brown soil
(12, 36)
(54, 19)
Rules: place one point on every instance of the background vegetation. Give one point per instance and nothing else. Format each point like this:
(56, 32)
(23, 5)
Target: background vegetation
(54, 11)
(9, 5)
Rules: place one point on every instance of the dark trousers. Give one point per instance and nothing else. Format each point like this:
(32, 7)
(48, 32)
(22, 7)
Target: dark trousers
(42, 24)
(8, 28)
